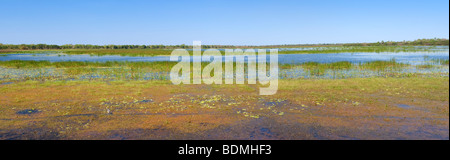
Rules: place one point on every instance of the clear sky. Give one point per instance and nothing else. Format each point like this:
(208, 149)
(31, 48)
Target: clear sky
(235, 22)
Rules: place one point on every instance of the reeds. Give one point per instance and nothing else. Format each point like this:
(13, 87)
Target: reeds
(382, 65)
(125, 70)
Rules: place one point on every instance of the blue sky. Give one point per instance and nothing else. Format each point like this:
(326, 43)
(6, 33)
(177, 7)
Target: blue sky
(227, 22)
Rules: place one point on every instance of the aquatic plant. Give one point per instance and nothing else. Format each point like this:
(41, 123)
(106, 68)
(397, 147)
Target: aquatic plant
(382, 65)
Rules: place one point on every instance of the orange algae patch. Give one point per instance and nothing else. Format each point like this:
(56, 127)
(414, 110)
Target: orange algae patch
(302, 109)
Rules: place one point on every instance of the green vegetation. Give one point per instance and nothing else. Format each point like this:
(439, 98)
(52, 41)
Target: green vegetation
(153, 50)
(337, 69)
(18, 70)
(418, 42)
(166, 66)
(424, 66)
(359, 49)
(343, 65)
(88, 46)
(77, 64)
(441, 61)
(382, 65)
(335, 65)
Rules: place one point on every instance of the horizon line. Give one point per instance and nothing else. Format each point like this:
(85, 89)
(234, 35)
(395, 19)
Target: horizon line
(292, 44)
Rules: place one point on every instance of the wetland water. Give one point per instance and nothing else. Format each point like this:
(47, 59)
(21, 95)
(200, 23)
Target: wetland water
(412, 59)
(402, 57)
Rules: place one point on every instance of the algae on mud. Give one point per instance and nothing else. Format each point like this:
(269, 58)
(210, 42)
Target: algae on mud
(359, 108)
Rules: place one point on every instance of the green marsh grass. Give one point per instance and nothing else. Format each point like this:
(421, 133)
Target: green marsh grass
(382, 65)
(441, 61)
(344, 65)
(424, 66)
(124, 70)
(163, 66)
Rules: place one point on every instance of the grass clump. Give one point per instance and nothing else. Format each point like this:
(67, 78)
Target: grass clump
(382, 65)
(441, 61)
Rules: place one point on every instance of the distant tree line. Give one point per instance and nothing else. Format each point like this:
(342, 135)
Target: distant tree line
(419, 42)
(88, 46)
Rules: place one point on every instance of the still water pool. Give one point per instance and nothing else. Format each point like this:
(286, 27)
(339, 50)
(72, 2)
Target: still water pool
(402, 57)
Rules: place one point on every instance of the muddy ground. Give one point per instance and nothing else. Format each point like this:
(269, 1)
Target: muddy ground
(349, 109)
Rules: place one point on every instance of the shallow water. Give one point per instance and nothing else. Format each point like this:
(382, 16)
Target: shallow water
(402, 57)
(413, 58)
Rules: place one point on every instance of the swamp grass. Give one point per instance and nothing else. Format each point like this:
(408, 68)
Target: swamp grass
(344, 65)
(84, 64)
(441, 61)
(17, 70)
(166, 66)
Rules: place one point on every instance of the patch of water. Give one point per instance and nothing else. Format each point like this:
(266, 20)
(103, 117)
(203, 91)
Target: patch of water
(28, 111)
(404, 106)
(6, 83)
(402, 57)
